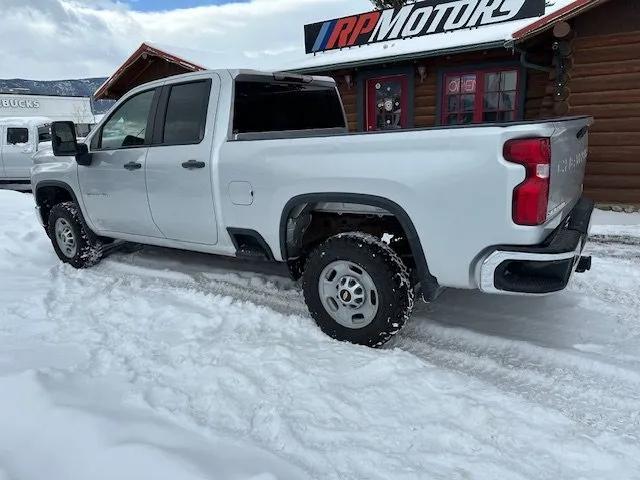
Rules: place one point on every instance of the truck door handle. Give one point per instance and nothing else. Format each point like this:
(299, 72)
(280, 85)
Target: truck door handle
(133, 166)
(191, 164)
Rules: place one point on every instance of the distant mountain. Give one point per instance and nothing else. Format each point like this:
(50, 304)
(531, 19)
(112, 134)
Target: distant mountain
(84, 87)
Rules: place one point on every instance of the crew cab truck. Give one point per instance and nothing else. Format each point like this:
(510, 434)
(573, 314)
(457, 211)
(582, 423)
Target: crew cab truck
(20, 139)
(249, 164)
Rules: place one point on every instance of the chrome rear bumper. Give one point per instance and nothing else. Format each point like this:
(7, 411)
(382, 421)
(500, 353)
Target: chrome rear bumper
(539, 269)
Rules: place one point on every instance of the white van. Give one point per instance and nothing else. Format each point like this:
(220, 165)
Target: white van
(20, 139)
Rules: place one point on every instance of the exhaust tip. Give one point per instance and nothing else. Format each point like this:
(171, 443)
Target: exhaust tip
(584, 265)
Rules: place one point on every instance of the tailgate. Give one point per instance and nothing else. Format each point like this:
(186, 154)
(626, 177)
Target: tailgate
(569, 148)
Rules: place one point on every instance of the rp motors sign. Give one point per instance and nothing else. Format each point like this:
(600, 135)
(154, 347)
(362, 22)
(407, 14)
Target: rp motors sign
(415, 20)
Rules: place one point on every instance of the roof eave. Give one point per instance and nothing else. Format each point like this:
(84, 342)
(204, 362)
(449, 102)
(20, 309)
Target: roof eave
(569, 11)
(399, 58)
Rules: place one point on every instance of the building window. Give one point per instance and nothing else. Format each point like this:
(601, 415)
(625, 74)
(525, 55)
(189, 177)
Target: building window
(481, 96)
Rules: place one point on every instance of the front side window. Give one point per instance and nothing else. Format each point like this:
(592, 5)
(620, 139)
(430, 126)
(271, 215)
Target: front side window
(268, 106)
(480, 96)
(186, 113)
(17, 135)
(44, 133)
(127, 127)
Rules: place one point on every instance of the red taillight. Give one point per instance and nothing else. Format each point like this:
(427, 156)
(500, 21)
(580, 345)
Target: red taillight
(531, 197)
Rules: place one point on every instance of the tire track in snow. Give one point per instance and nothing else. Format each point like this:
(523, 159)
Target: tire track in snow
(598, 395)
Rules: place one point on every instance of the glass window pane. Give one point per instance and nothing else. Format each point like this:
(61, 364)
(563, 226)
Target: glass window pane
(17, 135)
(467, 118)
(452, 103)
(492, 82)
(508, 101)
(44, 134)
(509, 80)
(128, 125)
(264, 106)
(467, 103)
(491, 101)
(452, 119)
(186, 113)
(490, 116)
(468, 84)
(508, 116)
(453, 85)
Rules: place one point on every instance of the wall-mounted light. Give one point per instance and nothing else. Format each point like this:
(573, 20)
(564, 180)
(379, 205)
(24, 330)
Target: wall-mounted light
(422, 71)
(348, 79)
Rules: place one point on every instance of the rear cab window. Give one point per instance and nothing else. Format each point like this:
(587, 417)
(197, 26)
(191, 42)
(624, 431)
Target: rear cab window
(264, 104)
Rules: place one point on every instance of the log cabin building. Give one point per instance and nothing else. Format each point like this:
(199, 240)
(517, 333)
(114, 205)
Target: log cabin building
(581, 58)
(575, 57)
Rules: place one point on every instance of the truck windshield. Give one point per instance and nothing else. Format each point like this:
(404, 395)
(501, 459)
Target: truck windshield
(269, 106)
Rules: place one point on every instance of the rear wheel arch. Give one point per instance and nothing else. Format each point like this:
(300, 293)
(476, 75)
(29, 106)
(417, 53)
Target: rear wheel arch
(430, 287)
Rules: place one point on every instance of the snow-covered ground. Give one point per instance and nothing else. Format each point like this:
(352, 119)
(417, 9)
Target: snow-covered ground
(168, 365)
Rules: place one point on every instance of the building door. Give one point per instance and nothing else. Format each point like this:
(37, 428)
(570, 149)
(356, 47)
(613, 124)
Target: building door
(386, 103)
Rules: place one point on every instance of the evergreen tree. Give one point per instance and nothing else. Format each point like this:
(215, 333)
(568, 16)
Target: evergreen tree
(390, 3)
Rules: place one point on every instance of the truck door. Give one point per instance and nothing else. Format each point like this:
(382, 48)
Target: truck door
(113, 186)
(179, 168)
(17, 152)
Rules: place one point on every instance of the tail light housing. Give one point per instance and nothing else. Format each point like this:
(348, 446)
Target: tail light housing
(531, 197)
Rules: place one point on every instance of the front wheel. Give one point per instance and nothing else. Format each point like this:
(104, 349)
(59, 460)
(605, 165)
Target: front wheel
(73, 242)
(357, 289)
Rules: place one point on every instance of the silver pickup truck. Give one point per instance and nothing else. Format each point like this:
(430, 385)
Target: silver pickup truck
(251, 164)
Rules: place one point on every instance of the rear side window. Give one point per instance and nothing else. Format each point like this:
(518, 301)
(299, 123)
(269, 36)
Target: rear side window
(17, 135)
(186, 113)
(268, 106)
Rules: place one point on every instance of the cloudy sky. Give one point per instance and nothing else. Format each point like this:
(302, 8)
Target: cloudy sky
(58, 39)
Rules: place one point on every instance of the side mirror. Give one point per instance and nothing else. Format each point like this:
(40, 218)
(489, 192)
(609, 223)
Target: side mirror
(65, 143)
(63, 139)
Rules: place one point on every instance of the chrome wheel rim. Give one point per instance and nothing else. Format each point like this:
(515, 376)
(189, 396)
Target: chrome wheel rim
(65, 238)
(348, 294)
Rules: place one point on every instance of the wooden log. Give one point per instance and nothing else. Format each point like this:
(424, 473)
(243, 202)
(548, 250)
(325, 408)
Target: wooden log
(618, 154)
(614, 139)
(608, 195)
(613, 181)
(613, 168)
(605, 54)
(608, 111)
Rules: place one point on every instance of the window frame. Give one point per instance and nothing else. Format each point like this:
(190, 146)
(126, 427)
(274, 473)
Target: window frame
(13, 144)
(96, 140)
(480, 70)
(160, 117)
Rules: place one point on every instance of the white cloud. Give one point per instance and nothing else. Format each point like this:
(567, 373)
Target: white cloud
(55, 39)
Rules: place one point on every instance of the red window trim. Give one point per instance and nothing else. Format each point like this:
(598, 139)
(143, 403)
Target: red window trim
(480, 74)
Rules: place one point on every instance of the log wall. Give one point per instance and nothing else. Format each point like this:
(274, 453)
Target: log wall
(605, 83)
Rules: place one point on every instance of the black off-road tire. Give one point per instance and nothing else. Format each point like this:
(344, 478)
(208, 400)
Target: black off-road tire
(89, 248)
(387, 270)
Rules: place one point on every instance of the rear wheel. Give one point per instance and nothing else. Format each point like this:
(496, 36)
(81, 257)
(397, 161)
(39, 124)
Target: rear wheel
(72, 241)
(357, 289)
